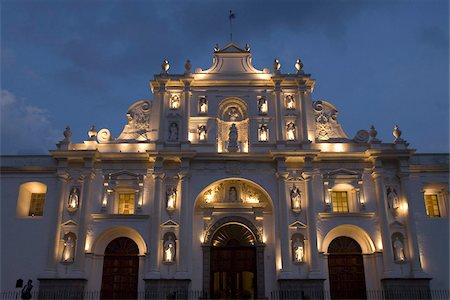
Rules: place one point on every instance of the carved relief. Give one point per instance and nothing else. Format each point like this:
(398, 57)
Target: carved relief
(327, 126)
(232, 191)
(138, 125)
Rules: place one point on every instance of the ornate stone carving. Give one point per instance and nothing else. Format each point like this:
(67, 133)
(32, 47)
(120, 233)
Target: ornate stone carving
(296, 199)
(138, 126)
(104, 136)
(262, 105)
(361, 137)
(327, 126)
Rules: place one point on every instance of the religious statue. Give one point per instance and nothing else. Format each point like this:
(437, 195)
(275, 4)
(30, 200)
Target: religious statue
(69, 247)
(232, 194)
(290, 131)
(262, 105)
(174, 102)
(26, 291)
(203, 106)
(290, 102)
(263, 133)
(173, 132)
(233, 139)
(296, 197)
(299, 251)
(393, 200)
(169, 250)
(201, 129)
(74, 197)
(171, 198)
(399, 250)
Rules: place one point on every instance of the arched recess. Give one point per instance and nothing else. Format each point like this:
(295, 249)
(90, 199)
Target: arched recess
(102, 241)
(232, 112)
(351, 231)
(234, 220)
(201, 201)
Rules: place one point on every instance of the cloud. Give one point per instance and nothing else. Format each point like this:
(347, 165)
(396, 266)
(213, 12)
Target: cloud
(24, 129)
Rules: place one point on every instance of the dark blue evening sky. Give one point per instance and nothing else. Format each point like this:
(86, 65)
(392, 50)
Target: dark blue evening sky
(81, 63)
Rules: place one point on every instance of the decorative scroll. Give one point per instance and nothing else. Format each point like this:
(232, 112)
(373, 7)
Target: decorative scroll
(327, 126)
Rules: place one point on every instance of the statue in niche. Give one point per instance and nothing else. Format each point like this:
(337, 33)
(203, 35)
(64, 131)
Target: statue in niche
(393, 200)
(26, 291)
(263, 133)
(171, 197)
(173, 132)
(232, 194)
(290, 102)
(296, 197)
(201, 129)
(262, 105)
(299, 251)
(169, 250)
(233, 139)
(174, 102)
(69, 248)
(399, 250)
(290, 131)
(203, 106)
(74, 197)
(233, 114)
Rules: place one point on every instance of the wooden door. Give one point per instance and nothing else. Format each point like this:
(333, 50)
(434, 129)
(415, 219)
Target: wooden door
(233, 263)
(346, 269)
(120, 270)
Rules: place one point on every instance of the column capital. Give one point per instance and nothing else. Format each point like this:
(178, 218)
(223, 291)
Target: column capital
(183, 175)
(377, 173)
(63, 176)
(282, 175)
(158, 175)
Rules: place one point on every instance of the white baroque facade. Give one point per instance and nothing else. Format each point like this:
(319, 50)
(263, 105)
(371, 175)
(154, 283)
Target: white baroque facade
(232, 181)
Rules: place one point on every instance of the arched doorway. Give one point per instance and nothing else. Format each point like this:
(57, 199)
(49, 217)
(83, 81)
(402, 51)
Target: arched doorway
(120, 270)
(346, 269)
(233, 263)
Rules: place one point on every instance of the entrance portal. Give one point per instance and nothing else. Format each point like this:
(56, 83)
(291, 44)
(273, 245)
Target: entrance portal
(120, 270)
(346, 269)
(233, 263)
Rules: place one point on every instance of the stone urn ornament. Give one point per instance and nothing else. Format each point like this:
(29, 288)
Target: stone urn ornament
(188, 66)
(67, 134)
(165, 66)
(299, 65)
(92, 133)
(373, 134)
(397, 133)
(276, 65)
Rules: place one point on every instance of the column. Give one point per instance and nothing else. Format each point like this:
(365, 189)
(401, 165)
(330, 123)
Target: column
(411, 229)
(283, 221)
(185, 232)
(154, 233)
(54, 239)
(388, 254)
(86, 180)
(187, 111)
(312, 226)
(279, 110)
(304, 123)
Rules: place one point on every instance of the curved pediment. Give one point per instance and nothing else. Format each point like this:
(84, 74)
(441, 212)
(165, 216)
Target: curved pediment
(231, 59)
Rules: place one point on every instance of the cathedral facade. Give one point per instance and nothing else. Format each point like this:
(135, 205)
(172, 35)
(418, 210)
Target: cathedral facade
(232, 181)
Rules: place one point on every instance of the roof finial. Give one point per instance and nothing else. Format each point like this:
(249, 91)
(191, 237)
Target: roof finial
(230, 17)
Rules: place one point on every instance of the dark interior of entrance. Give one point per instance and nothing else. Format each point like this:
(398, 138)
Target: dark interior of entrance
(233, 263)
(120, 270)
(346, 269)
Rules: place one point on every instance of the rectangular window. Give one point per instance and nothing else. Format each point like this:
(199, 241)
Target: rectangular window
(37, 204)
(432, 205)
(340, 201)
(126, 203)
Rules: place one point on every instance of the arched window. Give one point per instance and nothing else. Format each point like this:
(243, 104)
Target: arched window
(31, 199)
